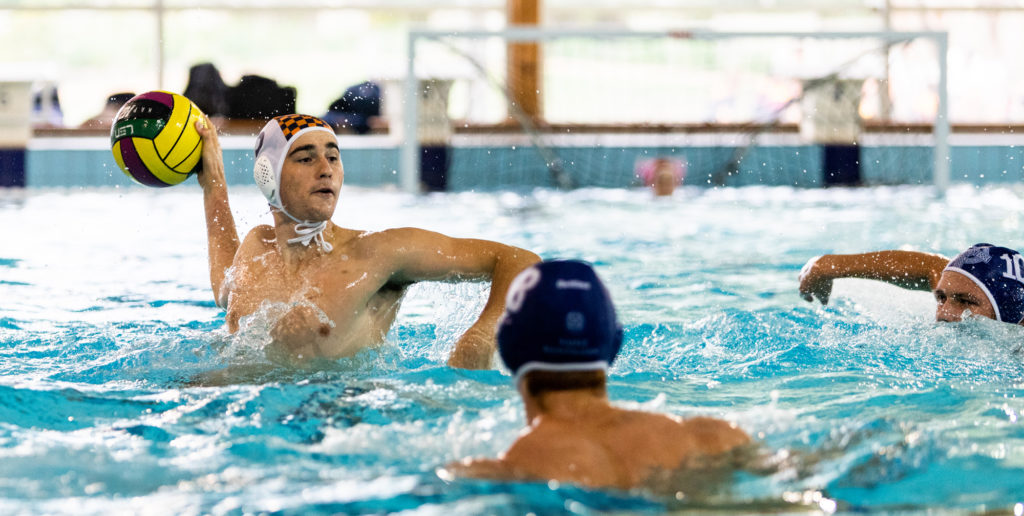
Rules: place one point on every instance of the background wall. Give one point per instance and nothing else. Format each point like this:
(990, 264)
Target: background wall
(91, 49)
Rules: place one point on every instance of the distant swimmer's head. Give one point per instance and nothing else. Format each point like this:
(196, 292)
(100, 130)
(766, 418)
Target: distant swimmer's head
(986, 279)
(558, 317)
(272, 146)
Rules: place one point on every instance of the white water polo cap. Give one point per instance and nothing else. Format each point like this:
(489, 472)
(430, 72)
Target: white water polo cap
(272, 146)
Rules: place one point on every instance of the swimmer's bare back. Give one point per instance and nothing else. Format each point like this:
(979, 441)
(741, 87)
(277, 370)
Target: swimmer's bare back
(622, 449)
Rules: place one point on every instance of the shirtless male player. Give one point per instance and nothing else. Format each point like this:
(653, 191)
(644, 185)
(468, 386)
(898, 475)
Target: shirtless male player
(341, 288)
(558, 336)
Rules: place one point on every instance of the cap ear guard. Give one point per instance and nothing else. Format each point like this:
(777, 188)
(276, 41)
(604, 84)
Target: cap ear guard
(263, 173)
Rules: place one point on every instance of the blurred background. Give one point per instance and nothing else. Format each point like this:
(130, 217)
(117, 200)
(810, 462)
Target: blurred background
(91, 49)
(716, 104)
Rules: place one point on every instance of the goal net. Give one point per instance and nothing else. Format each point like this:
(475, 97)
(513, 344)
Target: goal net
(596, 107)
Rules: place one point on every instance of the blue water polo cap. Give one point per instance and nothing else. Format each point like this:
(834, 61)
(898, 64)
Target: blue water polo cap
(558, 317)
(999, 271)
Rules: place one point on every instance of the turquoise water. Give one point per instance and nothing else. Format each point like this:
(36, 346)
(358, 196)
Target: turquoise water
(120, 392)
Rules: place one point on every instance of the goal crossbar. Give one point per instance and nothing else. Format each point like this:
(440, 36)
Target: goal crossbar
(409, 155)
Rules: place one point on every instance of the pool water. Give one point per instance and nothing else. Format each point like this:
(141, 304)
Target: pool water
(120, 391)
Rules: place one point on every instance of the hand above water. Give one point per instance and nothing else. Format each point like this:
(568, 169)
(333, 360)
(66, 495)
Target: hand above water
(211, 171)
(814, 282)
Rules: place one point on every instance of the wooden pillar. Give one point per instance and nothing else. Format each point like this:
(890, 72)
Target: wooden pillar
(524, 61)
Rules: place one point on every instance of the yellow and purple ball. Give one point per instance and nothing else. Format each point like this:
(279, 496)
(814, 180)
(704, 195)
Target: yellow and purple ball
(154, 138)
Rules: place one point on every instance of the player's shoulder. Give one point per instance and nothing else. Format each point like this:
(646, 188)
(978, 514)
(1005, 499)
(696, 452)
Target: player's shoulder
(672, 426)
(557, 453)
(408, 232)
(715, 435)
(401, 237)
(552, 440)
(259, 236)
(643, 423)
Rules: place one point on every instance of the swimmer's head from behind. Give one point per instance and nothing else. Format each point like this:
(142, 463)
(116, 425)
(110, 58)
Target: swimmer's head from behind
(986, 280)
(559, 318)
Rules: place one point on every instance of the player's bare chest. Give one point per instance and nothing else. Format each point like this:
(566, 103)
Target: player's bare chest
(335, 286)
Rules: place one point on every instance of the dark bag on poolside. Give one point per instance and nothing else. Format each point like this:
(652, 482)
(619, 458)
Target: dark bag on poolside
(260, 98)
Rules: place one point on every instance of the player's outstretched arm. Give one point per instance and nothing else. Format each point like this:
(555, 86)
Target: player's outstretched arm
(907, 269)
(430, 256)
(221, 234)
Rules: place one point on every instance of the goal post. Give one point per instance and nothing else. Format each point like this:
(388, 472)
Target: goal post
(664, 79)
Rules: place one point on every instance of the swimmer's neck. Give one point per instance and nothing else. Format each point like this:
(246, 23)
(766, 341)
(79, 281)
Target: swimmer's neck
(566, 404)
(294, 253)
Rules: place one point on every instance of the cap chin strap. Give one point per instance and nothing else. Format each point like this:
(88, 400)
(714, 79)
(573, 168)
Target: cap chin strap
(307, 231)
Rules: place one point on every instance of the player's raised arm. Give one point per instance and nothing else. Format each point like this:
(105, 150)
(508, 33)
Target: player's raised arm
(907, 269)
(221, 234)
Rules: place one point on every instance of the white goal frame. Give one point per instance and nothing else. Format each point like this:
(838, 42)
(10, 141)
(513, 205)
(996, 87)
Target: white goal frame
(409, 152)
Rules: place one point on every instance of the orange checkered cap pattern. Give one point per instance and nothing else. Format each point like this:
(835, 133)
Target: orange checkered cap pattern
(291, 124)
